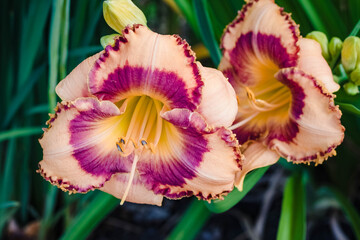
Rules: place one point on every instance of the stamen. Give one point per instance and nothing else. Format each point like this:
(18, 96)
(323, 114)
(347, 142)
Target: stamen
(281, 92)
(271, 88)
(265, 106)
(134, 116)
(149, 126)
(239, 124)
(132, 174)
(145, 119)
(158, 124)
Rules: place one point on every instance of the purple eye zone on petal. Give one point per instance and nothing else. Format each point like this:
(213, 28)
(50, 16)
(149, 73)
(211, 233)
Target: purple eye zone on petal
(174, 172)
(153, 82)
(297, 94)
(90, 156)
(269, 46)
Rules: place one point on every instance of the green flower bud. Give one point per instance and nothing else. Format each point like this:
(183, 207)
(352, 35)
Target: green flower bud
(321, 38)
(108, 40)
(336, 79)
(351, 89)
(350, 54)
(335, 47)
(355, 76)
(120, 13)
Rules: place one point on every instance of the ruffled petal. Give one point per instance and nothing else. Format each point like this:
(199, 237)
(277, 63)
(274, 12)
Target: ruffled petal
(138, 193)
(75, 85)
(256, 155)
(218, 105)
(316, 129)
(197, 161)
(79, 147)
(313, 63)
(258, 42)
(145, 63)
(266, 18)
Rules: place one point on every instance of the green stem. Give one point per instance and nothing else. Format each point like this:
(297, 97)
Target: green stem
(90, 217)
(219, 206)
(356, 29)
(192, 222)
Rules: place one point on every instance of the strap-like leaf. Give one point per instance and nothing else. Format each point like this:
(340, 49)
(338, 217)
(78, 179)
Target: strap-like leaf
(206, 30)
(219, 206)
(90, 217)
(293, 212)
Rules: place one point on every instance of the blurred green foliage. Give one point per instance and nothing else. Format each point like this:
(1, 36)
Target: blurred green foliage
(42, 40)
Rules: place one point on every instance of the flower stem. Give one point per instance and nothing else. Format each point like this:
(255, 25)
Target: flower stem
(191, 222)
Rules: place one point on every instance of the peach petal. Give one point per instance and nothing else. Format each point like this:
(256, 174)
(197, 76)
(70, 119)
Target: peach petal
(75, 85)
(138, 192)
(257, 155)
(319, 130)
(312, 62)
(218, 105)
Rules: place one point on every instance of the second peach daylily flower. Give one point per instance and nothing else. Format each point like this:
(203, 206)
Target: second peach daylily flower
(284, 88)
(140, 121)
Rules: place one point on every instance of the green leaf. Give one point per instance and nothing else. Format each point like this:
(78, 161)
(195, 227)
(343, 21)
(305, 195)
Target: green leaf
(293, 212)
(20, 132)
(31, 37)
(354, 6)
(50, 202)
(349, 108)
(221, 14)
(54, 46)
(85, 51)
(64, 38)
(186, 8)
(78, 24)
(219, 206)
(7, 182)
(237, 4)
(348, 103)
(331, 18)
(356, 29)
(349, 210)
(22, 93)
(206, 30)
(87, 220)
(9, 204)
(6, 214)
(191, 222)
(313, 15)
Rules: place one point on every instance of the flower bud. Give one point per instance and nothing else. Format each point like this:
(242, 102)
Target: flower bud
(350, 54)
(120, 13)
(336, 79)
(108, 39)
(335, 47)
(355, 76)
(321, 38)
(351, 89)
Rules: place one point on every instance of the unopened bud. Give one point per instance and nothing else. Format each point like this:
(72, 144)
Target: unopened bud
(108, 40)
(321, 38)
(351, 89)
(336, 79)
(335, 47)
(350, 53)
(120, 13)
(355, 76)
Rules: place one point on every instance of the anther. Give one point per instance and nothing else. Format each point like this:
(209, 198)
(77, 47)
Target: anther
(119, 147)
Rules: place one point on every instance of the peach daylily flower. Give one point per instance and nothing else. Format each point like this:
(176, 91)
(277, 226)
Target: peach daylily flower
(284, 88)
(139, 120)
